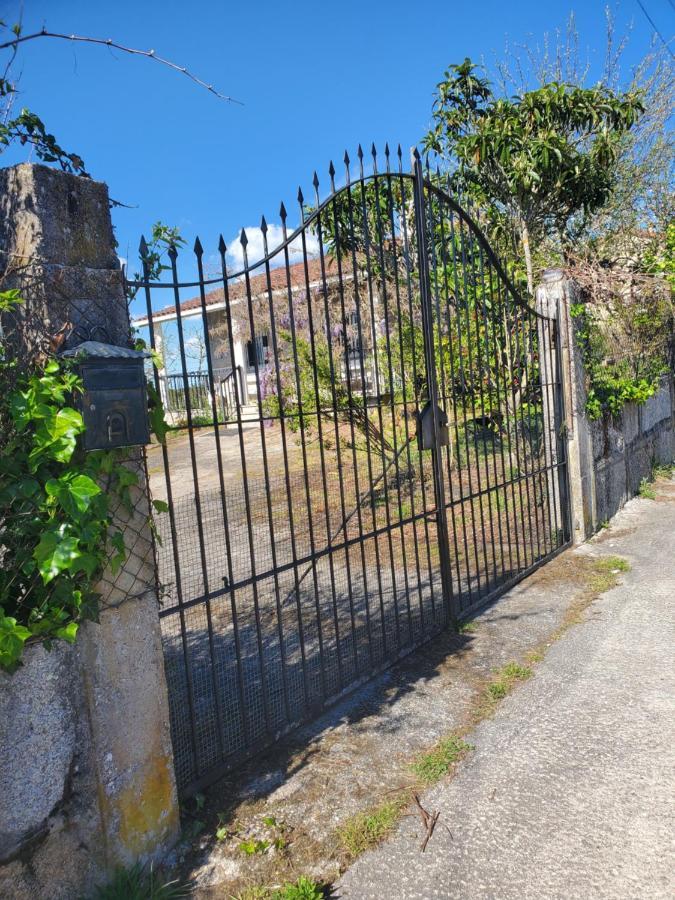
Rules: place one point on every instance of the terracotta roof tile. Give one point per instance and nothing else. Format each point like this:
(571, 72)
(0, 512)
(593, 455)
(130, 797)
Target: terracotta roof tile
(278, 281)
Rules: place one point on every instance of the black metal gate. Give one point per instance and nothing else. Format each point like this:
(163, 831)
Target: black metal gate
(389, 459)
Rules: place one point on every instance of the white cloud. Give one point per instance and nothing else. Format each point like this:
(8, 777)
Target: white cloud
(256, 251)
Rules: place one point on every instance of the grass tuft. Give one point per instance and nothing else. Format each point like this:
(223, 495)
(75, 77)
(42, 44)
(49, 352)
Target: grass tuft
(606, 570)
(663, 470)
(366, 829)
(502, 684)
(437, 762)
(302, 889)
(646, 490)
(139, 883)
(467, 627)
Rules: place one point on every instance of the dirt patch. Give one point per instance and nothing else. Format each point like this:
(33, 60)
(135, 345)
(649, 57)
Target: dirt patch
(665, 490)
(606, 534)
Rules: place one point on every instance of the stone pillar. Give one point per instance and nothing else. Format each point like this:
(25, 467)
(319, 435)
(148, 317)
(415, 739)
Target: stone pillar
(554, 296)
(112, 772)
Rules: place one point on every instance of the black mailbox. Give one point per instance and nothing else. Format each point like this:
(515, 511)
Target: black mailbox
(114, 404)
(425, 428)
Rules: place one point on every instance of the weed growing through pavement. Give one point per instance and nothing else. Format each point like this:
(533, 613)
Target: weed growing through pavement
(275, 838)
(662, 470)
(440, 760)
(302, 889)
(605, 573)
(500, 686)
(659, 471)
(366, 829)
(646, 490)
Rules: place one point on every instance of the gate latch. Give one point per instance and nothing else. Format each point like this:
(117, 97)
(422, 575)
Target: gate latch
(426, 435)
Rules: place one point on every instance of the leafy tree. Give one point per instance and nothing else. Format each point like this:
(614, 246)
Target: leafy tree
(642, 193)
(621, 255)
(534, 161)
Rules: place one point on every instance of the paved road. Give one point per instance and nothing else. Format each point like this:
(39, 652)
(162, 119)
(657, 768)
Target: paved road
(569, 793)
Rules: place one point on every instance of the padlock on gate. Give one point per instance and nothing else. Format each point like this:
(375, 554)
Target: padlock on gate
(427, 435)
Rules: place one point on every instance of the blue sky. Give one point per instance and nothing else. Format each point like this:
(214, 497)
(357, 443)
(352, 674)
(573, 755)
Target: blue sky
(315, 78)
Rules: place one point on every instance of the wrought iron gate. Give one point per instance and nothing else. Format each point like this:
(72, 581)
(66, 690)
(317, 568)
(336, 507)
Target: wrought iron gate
(392, 459)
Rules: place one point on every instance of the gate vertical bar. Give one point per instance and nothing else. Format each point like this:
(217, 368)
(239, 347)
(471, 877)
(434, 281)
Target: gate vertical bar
(426, 304)
(561, 434)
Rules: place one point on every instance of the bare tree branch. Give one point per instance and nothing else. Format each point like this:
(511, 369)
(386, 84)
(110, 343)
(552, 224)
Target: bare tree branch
(108, 42)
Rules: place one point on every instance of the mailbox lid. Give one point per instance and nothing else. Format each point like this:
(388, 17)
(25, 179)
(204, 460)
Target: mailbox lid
(94, 350)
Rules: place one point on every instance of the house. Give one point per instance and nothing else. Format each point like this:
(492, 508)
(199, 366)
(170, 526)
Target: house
(246, 357)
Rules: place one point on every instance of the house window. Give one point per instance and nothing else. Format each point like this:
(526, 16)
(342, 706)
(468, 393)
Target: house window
(256, 351)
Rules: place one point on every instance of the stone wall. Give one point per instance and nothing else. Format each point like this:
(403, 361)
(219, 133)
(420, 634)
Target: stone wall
(86, 771)
(50, 832)
(625, 448)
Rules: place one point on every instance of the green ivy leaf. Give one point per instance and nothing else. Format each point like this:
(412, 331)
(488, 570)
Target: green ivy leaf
(90, 607)
(67, 422)
(117, 542)
(158, 424)
(55, 553)
(74, 494)
(126, 477)
(89, 563)
(68, 632)
(12, 638)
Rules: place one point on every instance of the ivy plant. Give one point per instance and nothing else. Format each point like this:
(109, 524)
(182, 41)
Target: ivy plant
(57, 504)
(613, 382)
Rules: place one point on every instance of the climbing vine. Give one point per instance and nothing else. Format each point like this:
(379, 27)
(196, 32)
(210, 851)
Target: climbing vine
(57, 504)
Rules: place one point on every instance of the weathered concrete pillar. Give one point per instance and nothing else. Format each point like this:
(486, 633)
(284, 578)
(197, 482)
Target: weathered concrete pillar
(101, 776)
(554, 297)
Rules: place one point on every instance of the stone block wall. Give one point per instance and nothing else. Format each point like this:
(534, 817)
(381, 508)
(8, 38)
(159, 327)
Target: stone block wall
(626, 447)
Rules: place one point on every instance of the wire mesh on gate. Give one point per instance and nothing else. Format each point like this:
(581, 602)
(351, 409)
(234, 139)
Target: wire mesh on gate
(310, 540)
